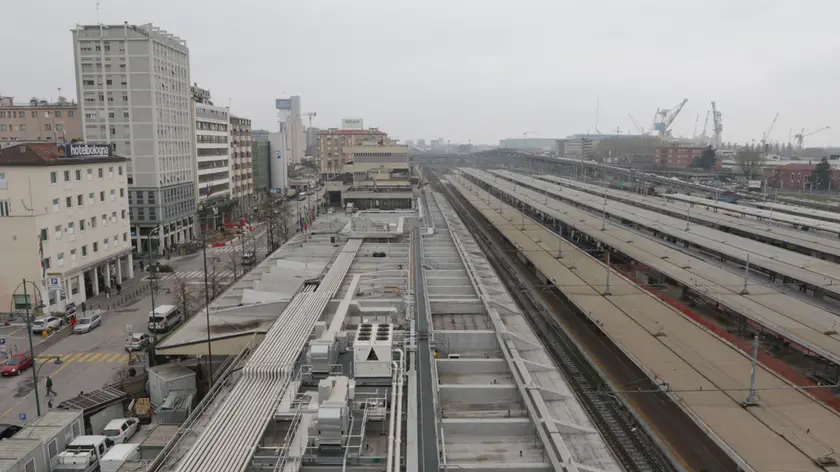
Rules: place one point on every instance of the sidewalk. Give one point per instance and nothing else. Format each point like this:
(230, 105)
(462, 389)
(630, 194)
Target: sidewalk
(131, 290)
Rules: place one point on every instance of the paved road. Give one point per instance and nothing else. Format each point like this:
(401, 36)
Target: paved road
(94, 359)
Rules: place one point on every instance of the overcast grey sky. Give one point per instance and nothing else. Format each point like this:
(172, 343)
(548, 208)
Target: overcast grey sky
(475, 69)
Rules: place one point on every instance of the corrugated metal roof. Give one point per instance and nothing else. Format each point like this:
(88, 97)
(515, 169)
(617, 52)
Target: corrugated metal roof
(14, 449)
(94, 400)
(50, 424)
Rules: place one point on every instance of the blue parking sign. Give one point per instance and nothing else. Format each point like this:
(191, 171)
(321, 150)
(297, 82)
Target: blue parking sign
(23, 416)
(2, 341)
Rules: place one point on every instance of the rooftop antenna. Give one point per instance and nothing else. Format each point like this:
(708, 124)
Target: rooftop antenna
(97, 13)
(597, 113)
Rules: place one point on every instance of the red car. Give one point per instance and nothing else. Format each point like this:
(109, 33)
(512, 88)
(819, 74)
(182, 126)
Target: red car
(16, 364)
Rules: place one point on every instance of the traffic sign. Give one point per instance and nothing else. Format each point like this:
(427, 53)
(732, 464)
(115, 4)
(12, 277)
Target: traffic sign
(23, 416)
(2, 341)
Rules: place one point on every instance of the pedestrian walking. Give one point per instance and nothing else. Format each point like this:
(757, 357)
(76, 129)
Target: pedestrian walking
(72, 321)
(119, 289)
(107, 292)
(49, 403)
(50, 390)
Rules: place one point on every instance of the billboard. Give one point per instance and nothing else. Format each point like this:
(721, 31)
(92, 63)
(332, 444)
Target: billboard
(283, 103)
(352, 123)
(77, 150)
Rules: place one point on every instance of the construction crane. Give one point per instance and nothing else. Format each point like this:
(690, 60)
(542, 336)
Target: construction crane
(638, 128)
(706, 127)
(310, 115)
(663, 118)
(766, 136)
(717, 119)
(800, 137)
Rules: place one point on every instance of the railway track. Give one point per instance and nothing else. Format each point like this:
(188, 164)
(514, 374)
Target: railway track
(562, 330)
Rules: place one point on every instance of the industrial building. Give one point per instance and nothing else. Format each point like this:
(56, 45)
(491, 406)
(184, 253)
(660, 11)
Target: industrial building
(333, 143)
(374, 177)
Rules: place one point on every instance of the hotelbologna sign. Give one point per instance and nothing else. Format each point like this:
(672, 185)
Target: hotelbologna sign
(76, 150)
(352, 123)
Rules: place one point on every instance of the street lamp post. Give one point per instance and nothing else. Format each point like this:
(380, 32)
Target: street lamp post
(207, 305)
(28, 319)
(153, 282)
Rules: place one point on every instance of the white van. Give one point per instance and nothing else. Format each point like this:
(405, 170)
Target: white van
(164, 318)
(118, 455)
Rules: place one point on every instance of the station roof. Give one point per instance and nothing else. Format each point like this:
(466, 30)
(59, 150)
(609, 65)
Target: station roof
(705, 375)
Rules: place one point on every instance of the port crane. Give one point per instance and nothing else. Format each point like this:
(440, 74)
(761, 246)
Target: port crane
(638, 128)
(800, 137)
(717, 120)
(766, 136)
(663, 118)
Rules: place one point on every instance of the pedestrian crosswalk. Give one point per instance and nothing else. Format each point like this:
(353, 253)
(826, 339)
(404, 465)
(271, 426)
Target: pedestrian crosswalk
(193, 274)
(111, 357)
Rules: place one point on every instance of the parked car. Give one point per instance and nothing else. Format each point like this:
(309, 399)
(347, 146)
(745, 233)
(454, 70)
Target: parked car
(87, 324)
(8, 430)
(137, 342)
(121, 430)
(17, 364)
(46, 323)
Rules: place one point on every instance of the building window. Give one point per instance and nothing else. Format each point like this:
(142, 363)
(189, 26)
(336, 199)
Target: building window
(47, 264)
(91, 198)
(60, 260)
(81, 225)
(80, 200)
(56, 205)
(113, 217)
(78, 175)
(95, 247)
(57, 231)
(44, 234)
(84, 251)
(70, 228)
(93, 222)
(100, 172)
(47, 127)
(53, 177)
(113, 195)
(119, 170)
(67, 176)
(70, 114)
(57, 114)
(110, 172)
(122, 193)
(122, 214)
(125, 236)
(104, 219)
(69, 202)
(102, 196)
(105, 244)
(72, 255)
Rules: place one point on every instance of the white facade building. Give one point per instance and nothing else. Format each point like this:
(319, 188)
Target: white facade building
(279, 153)
(243, 173)
(70, 212)
(133, 84)
(212, 143)
(291, 122)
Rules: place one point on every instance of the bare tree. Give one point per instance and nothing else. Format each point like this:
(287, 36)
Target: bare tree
(215, 284)
(186, 297)
(750, 162)
(233, 262)
(276, 213)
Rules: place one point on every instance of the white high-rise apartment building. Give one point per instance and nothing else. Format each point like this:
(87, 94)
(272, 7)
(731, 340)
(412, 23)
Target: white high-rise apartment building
(291, 122)
(212, 142)
(133, 84)
(243, 174)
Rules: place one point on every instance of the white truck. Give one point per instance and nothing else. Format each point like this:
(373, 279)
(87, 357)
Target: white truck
(348, 210)
(118, 455)
(83, 454)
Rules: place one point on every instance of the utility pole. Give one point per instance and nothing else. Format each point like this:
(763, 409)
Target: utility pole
(207, 310)
(607, 290)
(744, 290)
(752, 396)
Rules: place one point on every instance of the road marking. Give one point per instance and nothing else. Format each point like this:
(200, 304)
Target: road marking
(73, 357)
(95, 357)
(53, 374)
(85, 357)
